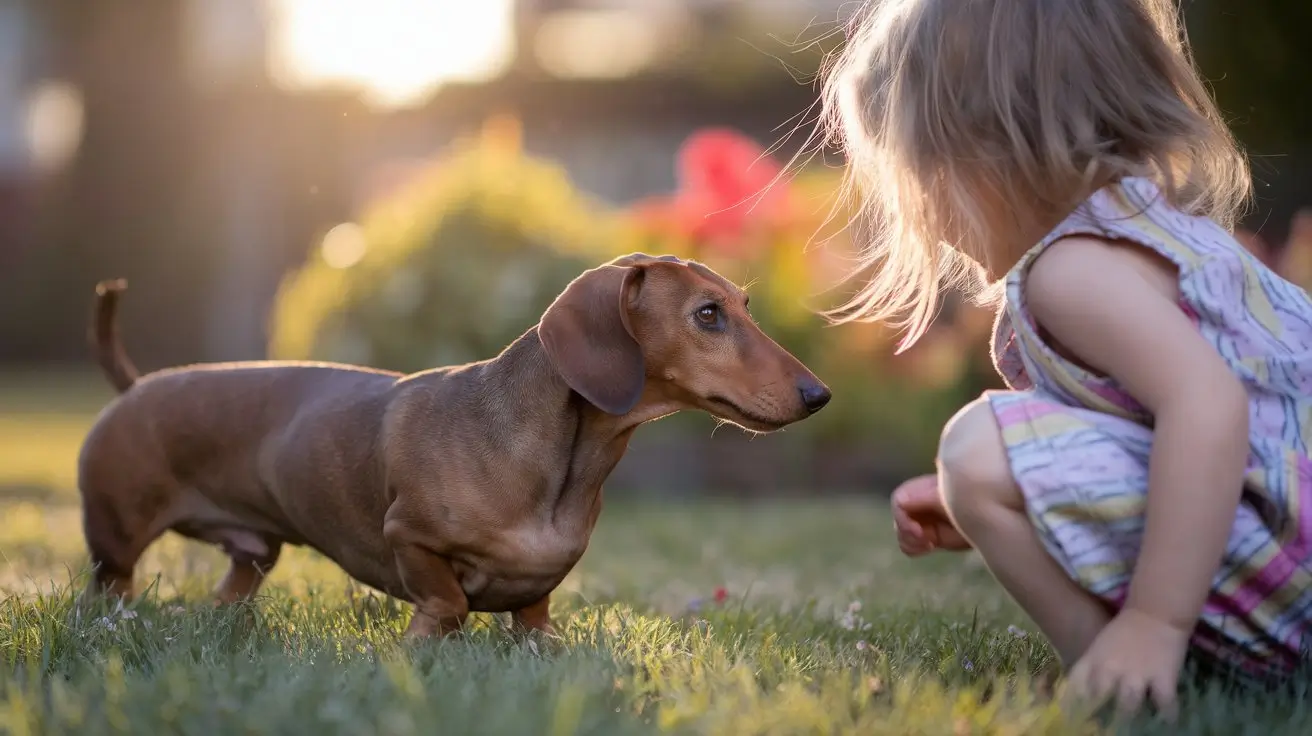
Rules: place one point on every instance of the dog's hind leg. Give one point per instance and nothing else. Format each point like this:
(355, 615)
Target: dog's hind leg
(253, 556)
(112, 561)
(116, 538)
(535, 617)
(128, 501)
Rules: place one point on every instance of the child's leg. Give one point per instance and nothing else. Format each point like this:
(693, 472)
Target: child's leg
(985, 503)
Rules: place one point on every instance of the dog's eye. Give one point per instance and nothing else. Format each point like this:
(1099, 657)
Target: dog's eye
(709, 315)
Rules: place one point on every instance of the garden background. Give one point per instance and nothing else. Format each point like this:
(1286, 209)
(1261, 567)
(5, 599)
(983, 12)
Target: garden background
(265, 198)
(407, 183)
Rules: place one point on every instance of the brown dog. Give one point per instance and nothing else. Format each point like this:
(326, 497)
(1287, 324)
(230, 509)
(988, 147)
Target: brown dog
(458, 489)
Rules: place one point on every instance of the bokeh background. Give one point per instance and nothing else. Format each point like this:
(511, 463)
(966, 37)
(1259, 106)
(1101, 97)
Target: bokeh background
(407, 183)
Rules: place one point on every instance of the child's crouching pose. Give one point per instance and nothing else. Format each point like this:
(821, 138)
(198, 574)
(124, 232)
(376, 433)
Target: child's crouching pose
(1144, 488)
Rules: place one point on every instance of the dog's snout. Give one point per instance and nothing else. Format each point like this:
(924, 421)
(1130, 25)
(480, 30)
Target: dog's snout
(814, 395)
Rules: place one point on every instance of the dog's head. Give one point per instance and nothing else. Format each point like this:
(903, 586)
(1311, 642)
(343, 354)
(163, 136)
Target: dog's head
(682, 334)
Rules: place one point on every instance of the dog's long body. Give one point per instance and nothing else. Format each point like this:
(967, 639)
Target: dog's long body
(470, 488)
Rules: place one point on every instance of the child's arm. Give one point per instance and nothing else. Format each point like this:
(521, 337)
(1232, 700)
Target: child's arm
(1115, 307)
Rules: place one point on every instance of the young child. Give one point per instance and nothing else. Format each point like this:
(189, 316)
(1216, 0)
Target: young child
(1144, 489)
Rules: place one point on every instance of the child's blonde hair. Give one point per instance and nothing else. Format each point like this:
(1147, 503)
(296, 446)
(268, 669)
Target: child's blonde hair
(979, 124)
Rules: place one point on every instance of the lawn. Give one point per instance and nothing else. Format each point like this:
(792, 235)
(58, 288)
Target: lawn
(777, 618)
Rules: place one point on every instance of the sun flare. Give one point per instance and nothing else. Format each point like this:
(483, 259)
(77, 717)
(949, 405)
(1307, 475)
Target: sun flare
(396, 51)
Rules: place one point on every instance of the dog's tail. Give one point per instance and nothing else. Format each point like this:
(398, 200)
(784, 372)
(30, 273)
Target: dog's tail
(105, 341)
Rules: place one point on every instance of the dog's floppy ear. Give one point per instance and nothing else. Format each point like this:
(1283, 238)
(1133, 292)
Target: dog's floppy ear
(589, 341)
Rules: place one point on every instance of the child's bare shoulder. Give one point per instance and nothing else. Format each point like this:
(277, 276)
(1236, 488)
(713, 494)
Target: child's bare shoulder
(1098, 266)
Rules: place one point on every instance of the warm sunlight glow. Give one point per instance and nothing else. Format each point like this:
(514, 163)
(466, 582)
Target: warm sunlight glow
(397, 51)
(54, 125)
(344, 245)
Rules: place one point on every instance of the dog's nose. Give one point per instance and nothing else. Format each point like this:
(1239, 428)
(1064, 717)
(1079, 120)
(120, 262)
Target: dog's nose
(814, 395)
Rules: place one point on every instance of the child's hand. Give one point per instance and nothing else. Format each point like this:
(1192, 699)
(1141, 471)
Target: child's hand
(921, 521)
(1135, 657)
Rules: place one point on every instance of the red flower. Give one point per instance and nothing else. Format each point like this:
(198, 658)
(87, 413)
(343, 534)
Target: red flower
(725, 182)
(727, 185)
(721, 594)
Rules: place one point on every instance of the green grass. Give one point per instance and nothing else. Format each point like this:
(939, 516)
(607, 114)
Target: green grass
(825, 629)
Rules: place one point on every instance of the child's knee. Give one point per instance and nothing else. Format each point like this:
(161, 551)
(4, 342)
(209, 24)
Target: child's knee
(972, 459)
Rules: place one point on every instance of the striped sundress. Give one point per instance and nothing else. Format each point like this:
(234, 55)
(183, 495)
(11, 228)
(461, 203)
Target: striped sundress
(1078, 444)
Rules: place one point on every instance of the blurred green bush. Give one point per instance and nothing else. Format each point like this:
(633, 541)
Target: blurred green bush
(449, 269)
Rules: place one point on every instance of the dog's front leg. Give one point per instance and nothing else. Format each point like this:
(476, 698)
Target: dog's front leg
(440, 604)
(535, 617)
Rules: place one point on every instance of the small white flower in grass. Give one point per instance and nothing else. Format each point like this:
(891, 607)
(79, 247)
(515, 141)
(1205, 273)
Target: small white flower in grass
(861, 645)
(1017, 632)
(121, 612)
(851, 619)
